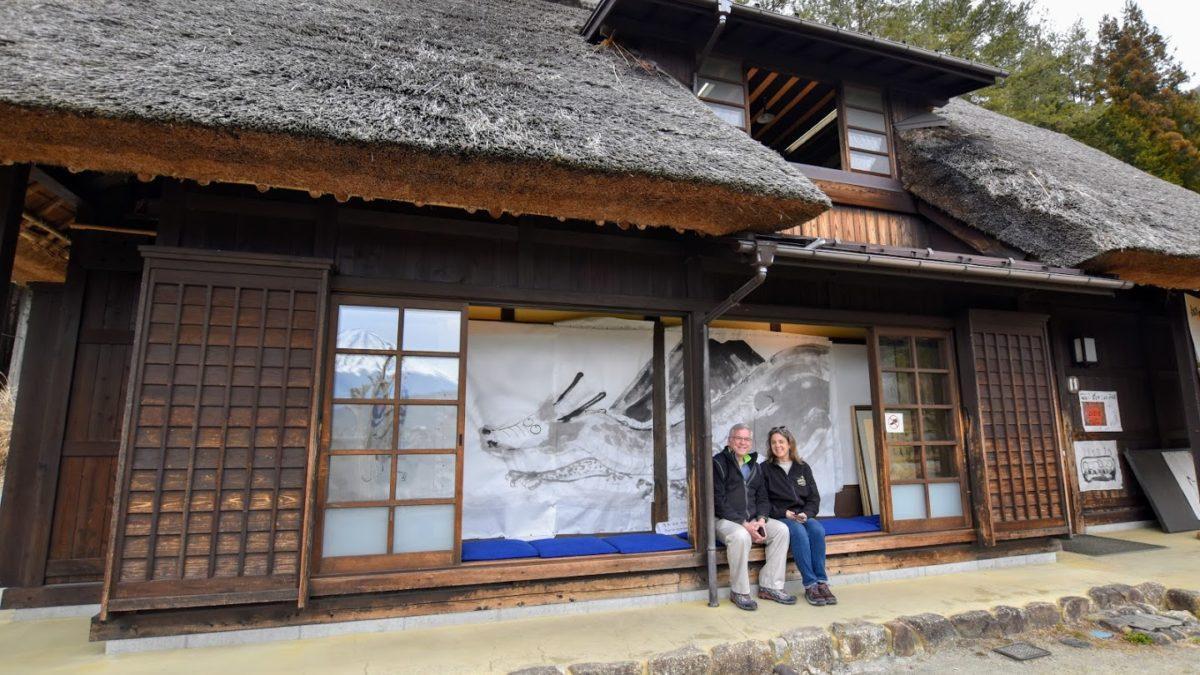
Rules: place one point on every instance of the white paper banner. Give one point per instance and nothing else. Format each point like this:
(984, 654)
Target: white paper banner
(1097, 466)
(1183, 467)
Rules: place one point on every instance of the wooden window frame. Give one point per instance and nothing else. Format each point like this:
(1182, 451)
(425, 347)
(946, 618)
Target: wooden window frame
(389, 561)
(846, 128)
(696, 76)
(883, 458)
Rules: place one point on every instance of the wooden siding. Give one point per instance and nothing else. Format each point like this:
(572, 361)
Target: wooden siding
(866, 226)
(216, 460)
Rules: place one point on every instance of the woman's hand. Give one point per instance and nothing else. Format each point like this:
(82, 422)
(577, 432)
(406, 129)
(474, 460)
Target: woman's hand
(802, 516)
(791, 515)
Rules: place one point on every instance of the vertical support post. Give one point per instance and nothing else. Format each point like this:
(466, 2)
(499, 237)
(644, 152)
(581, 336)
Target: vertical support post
(14, 180)
(1185, 366)
(660, 510)
(698, 335)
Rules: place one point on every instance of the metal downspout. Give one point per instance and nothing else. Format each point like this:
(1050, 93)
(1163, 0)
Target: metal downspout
(724, 7)
(764, 255)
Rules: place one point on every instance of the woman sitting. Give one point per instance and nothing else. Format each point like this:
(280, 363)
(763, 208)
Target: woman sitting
(795, 502)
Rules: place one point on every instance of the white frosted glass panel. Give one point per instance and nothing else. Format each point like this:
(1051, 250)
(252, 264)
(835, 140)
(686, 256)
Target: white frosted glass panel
(363, 376)
(865, 119)
(867, 140)
(861, 161)
(721, 91)
(359, 478)
(945, 500)
(367, 327)
(424, 528)
(428, 427)
(432, 330)
(361, 427)
(863, 98)
(735, 116)
(425, 476)
(429, 377)
(726, 69)
(908, 502)
(355, 532)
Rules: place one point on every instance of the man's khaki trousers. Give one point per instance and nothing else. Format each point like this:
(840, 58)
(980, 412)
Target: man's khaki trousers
(737, 551)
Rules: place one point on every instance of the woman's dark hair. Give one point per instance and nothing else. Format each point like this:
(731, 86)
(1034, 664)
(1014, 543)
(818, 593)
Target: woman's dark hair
(791, 441)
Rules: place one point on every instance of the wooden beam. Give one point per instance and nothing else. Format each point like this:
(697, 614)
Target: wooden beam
(968, 235)
(786, 109)
(758, 91)
(660, 510)
(803, 118)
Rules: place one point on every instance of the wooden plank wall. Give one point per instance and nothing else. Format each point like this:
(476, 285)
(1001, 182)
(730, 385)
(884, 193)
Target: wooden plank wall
(215, 464)
(867, 226)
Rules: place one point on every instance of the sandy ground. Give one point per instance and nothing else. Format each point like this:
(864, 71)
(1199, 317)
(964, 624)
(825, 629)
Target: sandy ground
(1105, 656)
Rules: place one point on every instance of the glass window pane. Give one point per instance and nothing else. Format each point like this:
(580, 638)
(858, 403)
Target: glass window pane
(900, 425)
(361, 427)
(429, 377)
(935, 388)
(726, 69)
(862, 161)
(432, 330)
(359, 478)
(945, 500)
(367, 327)
(863, 98)
(425, 476)
(908, 502)
(929, 353)
(721, 91)
(355, 532)
(735, 116)
(894, 353)
(899, 388)
(865, 119)
(938, 425)
(364, 376)
(424, 528)
(939, 461)
(867, 140)
(905, 463)
(428, 427)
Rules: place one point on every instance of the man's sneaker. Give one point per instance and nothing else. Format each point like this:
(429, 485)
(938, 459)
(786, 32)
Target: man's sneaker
(830, 598)
(778, 596)
(814, 596)
(743, 601)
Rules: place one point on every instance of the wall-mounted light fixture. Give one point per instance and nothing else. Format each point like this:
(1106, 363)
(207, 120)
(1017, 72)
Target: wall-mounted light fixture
(1085, 351)
(1072, 384)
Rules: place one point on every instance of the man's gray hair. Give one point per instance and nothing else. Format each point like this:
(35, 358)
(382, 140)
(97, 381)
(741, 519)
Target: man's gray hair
(738, 427)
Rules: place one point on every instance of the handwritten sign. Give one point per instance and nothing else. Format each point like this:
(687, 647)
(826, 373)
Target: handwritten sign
(893, 422)
(1100, 411)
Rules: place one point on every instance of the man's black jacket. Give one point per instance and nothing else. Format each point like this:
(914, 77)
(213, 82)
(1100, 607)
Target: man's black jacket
(737, 499)
(792, 491)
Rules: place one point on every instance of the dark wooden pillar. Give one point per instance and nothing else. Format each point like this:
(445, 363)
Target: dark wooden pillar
(1189, 385)
(660, 511)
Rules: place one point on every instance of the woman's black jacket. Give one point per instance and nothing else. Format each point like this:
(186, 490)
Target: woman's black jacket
(794, 491)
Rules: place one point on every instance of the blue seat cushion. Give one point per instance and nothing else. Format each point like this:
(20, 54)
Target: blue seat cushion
(571, 546)
(855, 525)
(497, 549)
(646, 543)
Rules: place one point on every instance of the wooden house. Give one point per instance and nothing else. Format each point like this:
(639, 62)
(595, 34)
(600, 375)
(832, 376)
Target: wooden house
(321, 254)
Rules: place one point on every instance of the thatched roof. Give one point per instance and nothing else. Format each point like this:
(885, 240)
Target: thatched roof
(1054, 197)
(483, 104)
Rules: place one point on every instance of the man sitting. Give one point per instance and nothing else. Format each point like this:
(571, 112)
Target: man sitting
(742, 510)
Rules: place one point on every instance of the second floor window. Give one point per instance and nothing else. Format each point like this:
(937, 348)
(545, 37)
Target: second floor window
(719, 82)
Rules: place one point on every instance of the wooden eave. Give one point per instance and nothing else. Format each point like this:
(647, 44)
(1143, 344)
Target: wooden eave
(400, 173)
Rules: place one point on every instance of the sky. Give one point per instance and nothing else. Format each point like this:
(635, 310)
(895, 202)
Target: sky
(1177, 20)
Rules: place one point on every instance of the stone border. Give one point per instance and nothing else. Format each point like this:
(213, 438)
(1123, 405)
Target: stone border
(820, 650)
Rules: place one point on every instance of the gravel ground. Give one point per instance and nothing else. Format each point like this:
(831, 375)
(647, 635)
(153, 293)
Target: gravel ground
(1105, 656)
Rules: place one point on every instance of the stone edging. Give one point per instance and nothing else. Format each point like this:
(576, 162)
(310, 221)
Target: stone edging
(819, 650)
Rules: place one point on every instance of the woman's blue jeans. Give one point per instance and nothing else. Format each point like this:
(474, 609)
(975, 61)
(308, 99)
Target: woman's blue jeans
(808, 550)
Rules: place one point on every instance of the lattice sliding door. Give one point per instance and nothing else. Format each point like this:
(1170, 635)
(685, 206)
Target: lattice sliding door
(1015, 448)
(216, 457)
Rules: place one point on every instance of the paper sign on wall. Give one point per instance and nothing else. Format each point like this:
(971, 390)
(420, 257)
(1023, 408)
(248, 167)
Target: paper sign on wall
(893, 422)
(1097, 466)
(1099, 411)
(1192, 304)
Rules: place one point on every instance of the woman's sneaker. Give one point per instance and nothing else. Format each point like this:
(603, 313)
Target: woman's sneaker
(830, 598)
(814, 596)
(778, 596)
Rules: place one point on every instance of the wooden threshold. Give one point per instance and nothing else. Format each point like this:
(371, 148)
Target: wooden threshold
(51, 595)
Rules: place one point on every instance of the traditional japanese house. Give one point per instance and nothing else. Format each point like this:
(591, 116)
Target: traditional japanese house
(395, 309)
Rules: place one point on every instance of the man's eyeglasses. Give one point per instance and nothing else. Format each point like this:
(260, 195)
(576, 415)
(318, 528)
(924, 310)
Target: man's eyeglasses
(741, 438)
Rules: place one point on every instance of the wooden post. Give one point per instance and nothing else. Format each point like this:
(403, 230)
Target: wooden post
(660, 511)
(14, 180)
(1185, 361)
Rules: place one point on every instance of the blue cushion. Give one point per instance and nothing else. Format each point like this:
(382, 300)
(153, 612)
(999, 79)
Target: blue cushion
(855, 525)
(646, 543)
(497, 549)
(571, 546)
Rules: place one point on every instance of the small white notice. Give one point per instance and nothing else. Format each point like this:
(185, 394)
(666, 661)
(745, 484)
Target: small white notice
(1099, 411)
(893, 422)
(1097, 466)
(672, 526)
